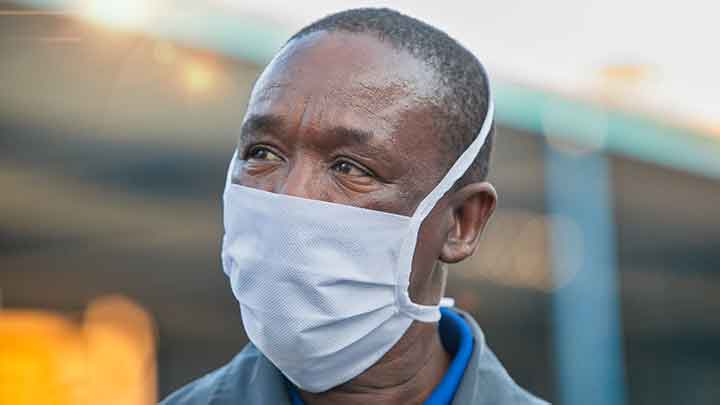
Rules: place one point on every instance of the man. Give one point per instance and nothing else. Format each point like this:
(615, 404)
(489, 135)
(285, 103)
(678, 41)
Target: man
(359, 172)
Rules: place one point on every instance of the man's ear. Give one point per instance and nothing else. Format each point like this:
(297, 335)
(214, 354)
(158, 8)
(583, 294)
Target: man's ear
(471, 208)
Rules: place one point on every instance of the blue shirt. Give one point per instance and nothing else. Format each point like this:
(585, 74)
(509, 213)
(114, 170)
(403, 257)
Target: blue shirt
(457, 339)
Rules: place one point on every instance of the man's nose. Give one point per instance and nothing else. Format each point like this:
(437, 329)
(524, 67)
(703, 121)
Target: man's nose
(302, 181)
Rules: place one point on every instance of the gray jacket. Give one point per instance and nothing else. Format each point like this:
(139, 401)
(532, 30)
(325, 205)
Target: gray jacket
(250, 378)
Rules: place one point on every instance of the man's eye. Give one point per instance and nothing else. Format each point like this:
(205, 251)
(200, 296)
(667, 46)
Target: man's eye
(350, 169)
(260, 153)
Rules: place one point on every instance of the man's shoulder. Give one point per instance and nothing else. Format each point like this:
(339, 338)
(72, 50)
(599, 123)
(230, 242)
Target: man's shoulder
(229, 384)
(198, 391)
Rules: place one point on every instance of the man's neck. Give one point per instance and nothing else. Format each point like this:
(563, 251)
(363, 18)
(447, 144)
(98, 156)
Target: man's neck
(407, 374)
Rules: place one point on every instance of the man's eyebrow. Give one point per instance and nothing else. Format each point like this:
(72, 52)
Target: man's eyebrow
(275, 124)
(263, 123)
(354, 135)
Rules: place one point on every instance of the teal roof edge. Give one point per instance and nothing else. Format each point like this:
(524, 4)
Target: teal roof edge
(619, 132)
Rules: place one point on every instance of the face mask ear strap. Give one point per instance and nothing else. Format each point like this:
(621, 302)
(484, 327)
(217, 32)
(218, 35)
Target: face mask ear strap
(457, 170)
(430, 313)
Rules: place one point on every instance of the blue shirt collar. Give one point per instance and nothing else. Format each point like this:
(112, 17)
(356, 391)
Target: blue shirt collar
(457, 339)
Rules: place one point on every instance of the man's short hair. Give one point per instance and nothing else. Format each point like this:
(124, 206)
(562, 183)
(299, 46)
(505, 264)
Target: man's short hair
(462, 77)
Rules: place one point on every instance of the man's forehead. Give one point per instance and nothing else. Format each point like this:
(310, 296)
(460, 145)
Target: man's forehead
(347, 67)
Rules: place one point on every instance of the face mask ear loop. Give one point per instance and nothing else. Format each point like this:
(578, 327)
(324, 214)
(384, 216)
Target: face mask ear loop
(430, 313)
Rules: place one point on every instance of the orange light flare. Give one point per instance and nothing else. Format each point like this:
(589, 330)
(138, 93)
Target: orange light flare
(199, 76)
(123, 15)
(47, 358)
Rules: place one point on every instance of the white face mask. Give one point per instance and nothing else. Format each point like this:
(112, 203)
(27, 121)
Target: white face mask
(323, 287)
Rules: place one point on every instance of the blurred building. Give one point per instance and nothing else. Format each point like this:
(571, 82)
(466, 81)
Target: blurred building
(113, 151)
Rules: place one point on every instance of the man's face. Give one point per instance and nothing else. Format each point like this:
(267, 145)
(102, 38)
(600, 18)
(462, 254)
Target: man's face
(345, 118)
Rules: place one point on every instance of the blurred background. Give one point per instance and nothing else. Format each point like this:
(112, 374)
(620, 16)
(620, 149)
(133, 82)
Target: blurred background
(598, 280)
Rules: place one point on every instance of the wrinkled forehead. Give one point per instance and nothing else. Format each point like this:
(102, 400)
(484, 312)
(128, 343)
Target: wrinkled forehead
(347, 69)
